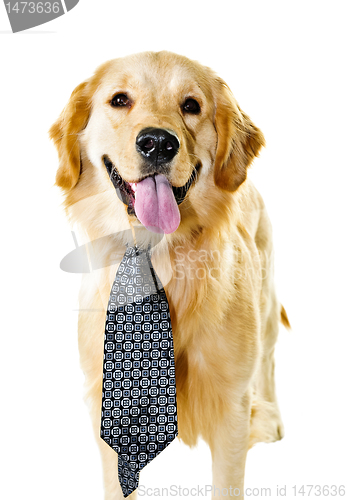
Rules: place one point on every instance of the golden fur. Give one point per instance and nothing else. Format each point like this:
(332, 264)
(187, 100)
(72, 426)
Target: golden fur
(225, 313)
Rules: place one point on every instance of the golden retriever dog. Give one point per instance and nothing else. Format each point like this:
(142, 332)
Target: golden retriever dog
(155, 147)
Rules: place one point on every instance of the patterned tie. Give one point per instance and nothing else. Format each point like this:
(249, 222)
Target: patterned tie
(139, 412)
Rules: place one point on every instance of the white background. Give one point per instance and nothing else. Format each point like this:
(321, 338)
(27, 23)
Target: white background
(286, 64)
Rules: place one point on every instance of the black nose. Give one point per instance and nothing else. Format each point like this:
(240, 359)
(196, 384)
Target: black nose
(157, 145)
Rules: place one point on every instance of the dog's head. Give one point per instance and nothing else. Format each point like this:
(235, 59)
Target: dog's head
(161, 131)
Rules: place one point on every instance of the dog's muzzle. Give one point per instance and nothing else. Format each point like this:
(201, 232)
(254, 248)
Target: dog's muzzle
(152, 199)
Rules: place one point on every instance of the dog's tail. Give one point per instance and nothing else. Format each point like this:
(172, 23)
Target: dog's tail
(284, 318)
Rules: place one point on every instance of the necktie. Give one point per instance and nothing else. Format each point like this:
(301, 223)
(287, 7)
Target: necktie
(139, 412)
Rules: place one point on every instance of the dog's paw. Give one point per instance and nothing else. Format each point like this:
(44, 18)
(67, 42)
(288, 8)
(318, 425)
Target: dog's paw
(266, 423)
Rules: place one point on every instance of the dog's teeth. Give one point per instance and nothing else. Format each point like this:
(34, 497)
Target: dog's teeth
(133, 186)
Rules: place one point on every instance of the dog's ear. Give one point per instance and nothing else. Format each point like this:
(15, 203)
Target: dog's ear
(239, 140)
(65, 132)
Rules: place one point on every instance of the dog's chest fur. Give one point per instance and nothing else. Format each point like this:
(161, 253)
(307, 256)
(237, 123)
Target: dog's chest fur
(214, 307)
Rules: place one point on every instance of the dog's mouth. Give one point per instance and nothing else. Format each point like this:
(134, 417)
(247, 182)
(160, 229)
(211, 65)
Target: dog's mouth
(152, 199)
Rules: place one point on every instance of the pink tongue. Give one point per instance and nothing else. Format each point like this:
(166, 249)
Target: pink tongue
(155, 205)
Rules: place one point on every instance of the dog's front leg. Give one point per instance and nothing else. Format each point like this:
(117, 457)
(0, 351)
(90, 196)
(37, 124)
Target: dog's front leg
(229, 445)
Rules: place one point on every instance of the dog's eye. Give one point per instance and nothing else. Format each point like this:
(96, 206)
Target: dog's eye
(120, 100)
(191, 106)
